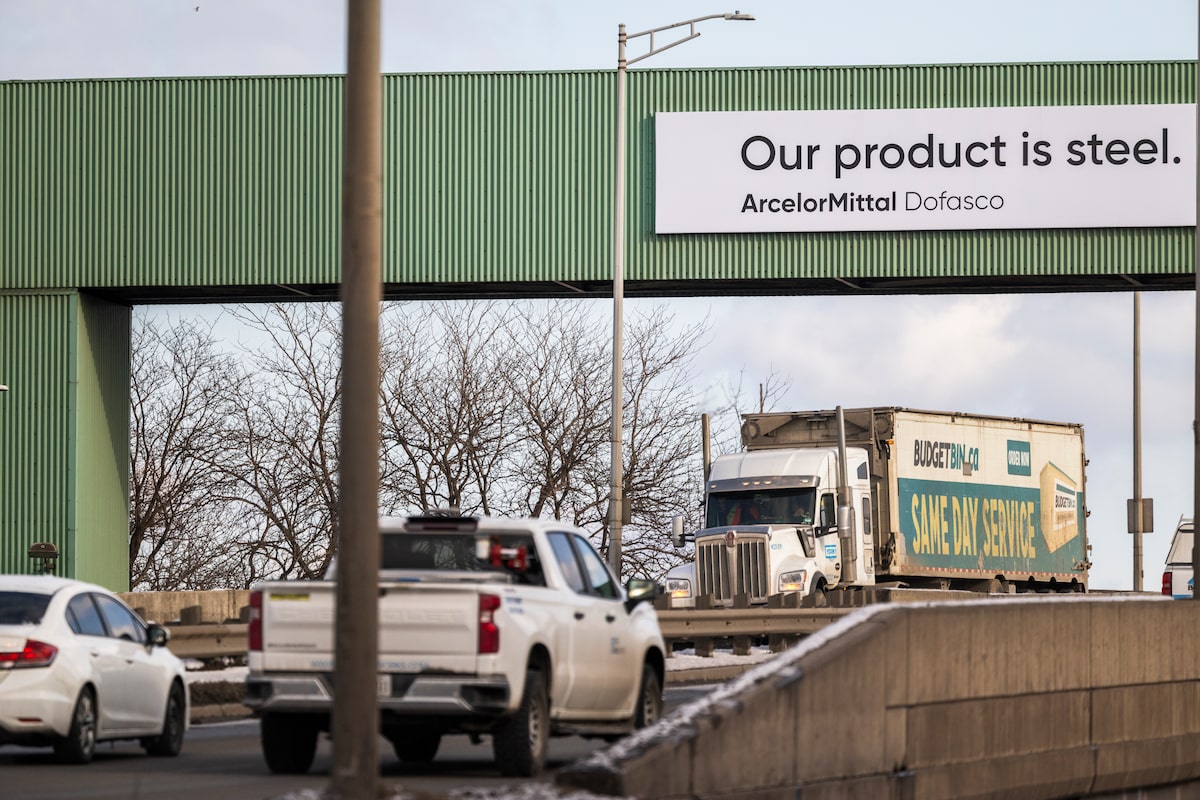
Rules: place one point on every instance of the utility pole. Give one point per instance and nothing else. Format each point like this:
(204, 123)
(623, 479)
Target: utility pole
(356, 708)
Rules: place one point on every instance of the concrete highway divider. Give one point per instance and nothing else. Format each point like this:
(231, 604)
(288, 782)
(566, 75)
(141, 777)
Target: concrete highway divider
(1032, 697)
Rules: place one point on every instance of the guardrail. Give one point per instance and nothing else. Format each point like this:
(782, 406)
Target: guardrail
(703, 628)
(211, 630)
(781, 627)
(203, 642)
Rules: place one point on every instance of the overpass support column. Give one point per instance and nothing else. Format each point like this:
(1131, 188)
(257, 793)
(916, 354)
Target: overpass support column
(64, 433)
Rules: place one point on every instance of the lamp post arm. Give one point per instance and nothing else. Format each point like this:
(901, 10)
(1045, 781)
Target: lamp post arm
(656, 50)
(692, 33)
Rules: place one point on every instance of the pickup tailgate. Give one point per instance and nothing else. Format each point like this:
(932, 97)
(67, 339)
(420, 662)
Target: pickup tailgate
(422, 626)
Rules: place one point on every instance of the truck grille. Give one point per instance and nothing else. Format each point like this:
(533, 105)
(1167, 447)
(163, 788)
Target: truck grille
(725, 572)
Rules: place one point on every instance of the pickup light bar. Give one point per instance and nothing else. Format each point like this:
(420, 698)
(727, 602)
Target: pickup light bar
(441, 523)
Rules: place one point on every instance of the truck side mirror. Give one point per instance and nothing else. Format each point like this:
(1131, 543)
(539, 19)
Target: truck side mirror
(677, 535)
(808, 541)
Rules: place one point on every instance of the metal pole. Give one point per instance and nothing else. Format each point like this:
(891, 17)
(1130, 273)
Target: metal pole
(616, 500)
(1139, 522)
(1196, 368)
(355, 774)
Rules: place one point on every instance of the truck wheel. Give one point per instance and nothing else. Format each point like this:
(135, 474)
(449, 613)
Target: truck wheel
(649, 707)
(519, 742)
(289, 742)
(415, 747)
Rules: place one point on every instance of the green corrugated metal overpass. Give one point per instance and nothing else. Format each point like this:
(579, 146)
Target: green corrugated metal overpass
(125, 192)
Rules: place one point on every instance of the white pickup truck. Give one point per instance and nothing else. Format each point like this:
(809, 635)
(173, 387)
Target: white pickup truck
(513, 628)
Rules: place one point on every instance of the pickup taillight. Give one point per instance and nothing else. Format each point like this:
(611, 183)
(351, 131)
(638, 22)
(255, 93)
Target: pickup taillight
(254, 628)
(489, 632)
(1166, 586)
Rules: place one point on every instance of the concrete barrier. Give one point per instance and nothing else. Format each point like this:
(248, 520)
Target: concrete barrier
(191, 608)
(1021, 698)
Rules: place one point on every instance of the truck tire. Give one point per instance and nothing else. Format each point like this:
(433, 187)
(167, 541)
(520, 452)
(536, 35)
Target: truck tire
(519, 742)
(650, 701)
(415, 747)
(289, 742)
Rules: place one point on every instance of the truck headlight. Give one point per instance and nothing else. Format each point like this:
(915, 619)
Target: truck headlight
(679, 587)
(793, 581)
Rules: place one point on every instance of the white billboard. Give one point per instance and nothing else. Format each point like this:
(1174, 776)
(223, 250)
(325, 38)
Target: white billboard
(925, 169)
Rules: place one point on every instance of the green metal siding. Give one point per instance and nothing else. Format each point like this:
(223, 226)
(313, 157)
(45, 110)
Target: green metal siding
(498, 177)
(101, 474)
(36, 425)
(159, 182)
(65, 428)
(490, 178)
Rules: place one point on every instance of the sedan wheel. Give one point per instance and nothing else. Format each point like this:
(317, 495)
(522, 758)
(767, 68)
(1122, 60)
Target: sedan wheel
(170, 741)
(79, 745)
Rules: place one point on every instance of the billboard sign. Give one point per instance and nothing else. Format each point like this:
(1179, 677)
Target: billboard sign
(925, 169)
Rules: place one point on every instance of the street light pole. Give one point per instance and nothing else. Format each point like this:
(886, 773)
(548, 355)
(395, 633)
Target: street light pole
(1196, 345)
(616, 496)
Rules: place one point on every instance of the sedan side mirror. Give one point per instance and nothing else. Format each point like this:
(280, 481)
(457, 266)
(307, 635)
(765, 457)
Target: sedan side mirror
(158, 635)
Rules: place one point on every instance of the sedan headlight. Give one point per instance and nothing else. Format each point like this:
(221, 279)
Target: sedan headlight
(679, 587)
(793, 581)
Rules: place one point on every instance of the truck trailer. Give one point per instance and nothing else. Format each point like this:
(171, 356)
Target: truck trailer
(896, 497)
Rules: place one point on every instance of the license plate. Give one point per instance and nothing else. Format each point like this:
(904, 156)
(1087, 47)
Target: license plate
(384, 687)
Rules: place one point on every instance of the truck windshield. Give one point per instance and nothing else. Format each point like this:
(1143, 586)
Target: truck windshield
(781, 506)
(514, 554)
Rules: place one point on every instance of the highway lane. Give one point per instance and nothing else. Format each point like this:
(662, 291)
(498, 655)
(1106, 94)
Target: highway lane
(222, 761)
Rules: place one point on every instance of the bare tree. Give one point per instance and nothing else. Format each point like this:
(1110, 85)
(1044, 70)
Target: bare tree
(496, 408)
(283, 464)
(179, 420)
(560, 380)
(662, 470)
(727, 418)
(446, 405)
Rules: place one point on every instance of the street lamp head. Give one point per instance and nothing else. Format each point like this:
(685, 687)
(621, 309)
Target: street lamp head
(741, 16)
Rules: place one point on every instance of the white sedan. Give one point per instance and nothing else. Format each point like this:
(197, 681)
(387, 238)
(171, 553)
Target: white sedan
(77, 666)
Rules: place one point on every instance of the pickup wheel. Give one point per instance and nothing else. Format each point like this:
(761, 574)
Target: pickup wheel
(649, 707)
(519, 742)
(415, 747)
(289, 742)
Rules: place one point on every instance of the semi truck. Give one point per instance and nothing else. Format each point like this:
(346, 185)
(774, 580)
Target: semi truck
(888, 496)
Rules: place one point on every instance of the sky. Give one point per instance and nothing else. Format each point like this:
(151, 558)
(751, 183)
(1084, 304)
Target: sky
(1058, 357)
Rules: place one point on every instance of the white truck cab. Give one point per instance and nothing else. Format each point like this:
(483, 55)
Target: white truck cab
(772, 527)
(1177, 579)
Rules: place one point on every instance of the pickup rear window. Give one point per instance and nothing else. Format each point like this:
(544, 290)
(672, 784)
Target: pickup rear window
(509, 553)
